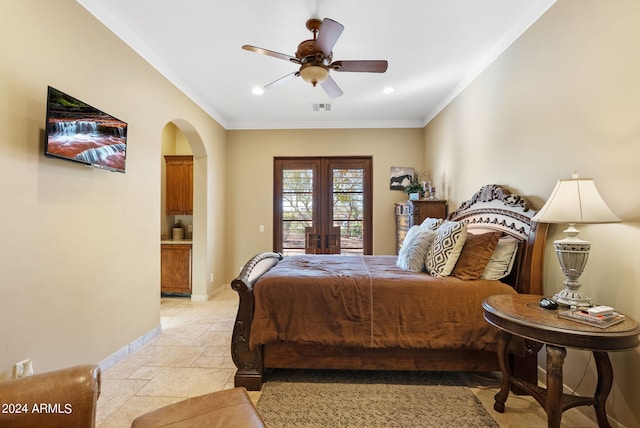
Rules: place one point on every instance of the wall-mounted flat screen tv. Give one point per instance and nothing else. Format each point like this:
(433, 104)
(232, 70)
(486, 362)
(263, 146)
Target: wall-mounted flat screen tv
(78, 132)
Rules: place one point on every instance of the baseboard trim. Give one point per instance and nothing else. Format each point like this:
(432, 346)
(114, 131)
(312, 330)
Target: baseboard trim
(208, 296)
(129, 349)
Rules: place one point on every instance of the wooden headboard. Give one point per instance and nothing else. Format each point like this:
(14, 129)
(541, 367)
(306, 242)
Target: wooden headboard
(494, 207)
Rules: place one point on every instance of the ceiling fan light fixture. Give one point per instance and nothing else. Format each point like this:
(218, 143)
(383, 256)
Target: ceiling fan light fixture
(314, 74)
(315, 58)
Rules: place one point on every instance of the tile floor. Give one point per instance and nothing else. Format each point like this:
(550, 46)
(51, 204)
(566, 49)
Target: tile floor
(192, 357)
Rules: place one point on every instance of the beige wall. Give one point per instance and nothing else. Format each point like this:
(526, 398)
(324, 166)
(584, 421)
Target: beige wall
(81, 257)
(564, 97)
(249, 197)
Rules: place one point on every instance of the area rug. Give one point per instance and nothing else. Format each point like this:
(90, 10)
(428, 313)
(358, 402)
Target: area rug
(371, 399)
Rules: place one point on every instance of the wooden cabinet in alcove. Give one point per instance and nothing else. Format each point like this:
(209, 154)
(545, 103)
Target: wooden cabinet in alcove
(175, 264)
(179, 184)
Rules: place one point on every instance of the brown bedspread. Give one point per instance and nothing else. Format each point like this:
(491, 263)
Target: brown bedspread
(367, 301)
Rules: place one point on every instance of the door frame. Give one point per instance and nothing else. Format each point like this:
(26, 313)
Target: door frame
(323, 164)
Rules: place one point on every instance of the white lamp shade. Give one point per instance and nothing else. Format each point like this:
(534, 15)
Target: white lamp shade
(575, 200)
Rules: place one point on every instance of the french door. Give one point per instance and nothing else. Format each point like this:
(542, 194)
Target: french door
(322, 205)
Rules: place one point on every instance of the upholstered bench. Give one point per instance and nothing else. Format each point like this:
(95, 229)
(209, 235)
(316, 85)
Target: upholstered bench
(230, 408)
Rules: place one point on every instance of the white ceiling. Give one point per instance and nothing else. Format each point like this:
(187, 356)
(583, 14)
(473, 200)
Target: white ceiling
(434, 48)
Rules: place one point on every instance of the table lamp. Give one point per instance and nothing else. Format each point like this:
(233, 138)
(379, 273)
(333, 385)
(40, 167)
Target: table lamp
(574, 200)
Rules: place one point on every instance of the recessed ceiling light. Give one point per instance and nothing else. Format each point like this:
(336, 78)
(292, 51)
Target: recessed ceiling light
(257, 91)
(389, 90)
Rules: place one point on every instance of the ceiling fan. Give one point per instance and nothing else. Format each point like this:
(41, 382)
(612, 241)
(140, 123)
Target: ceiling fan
(315, 58)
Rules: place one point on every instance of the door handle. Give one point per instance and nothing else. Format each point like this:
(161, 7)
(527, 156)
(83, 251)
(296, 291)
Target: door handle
(332, 237)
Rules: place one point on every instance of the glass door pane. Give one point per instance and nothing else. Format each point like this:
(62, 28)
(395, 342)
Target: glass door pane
(297, 209)
(348, 208)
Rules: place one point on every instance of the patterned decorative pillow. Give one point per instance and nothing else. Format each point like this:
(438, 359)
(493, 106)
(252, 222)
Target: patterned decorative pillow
(414, 248)
(502, 259)
(475, 255)
(431, 223)
(446, 248)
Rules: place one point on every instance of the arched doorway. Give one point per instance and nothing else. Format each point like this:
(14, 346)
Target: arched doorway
(179, 137)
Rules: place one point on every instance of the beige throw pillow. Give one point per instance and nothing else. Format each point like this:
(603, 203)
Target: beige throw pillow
(502, 259)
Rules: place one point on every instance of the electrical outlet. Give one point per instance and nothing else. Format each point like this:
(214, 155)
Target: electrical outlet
(28, 368)
(211, 277)
(18, 370)
(22, 369)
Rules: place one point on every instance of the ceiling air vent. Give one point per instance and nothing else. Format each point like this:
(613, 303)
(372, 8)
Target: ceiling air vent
(322, 107)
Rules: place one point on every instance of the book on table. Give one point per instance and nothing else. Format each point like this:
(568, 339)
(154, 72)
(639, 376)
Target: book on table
(600, 310)
(585, 317)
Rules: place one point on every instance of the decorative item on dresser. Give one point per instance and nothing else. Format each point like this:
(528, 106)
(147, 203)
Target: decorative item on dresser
(404, 220)
(410, 213)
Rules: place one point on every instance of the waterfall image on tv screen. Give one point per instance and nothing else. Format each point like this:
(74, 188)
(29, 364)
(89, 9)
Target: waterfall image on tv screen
(81, 133)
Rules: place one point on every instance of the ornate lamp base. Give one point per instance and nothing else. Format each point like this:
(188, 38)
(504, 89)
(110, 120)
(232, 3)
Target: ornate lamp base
(568, 297)
(572, 254)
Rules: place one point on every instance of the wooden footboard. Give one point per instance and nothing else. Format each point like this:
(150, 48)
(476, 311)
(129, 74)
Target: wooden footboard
(249, 362)
(287, 355)
(523, 359)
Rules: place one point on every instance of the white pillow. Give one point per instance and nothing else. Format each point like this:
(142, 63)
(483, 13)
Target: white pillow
(431, 223)
(446, 248)
(414, 248)
(502, 259)
(407, 242)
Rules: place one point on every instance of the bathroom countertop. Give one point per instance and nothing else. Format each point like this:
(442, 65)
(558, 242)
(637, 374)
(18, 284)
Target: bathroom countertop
(176, 241)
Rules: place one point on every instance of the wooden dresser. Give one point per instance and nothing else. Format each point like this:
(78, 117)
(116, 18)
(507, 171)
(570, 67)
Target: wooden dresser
(410, 213)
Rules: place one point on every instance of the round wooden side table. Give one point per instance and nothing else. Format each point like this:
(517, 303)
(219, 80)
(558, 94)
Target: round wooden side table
(520, 315)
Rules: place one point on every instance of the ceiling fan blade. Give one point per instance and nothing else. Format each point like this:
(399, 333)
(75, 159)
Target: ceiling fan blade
(271, 53)
(328, 35)
(282, 80)
(363, 66)
(331, 88)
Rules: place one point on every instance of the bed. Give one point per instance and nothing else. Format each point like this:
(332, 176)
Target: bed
(385, 312)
